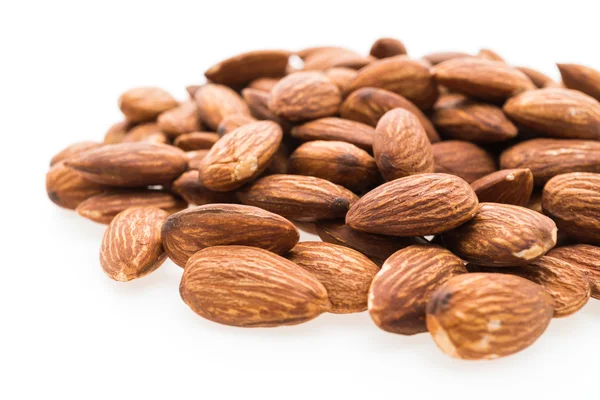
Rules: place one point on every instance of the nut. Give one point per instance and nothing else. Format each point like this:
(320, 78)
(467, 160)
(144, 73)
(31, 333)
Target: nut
(67, 188)
(246, 67)
(582, 78)
(145, 103)
(463, 159)
(584, 258)
(508, 186)
(216, 102)
(337, 129)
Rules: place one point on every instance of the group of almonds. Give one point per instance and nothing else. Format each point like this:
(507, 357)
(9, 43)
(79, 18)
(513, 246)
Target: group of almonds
(455, 194)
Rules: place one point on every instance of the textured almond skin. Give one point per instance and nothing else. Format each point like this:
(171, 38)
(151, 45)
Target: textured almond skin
(341, 77)
(557, 112)
(377, 247)
(324, 58)
(441, 56)
(502, 235)
(102, 208)
(399, 293)
(368, 105)
(131, 246)
(567, 285)
(387, 47)
(246, 67)
(400, 145)
(216, 102)
(338, 162)
(188, 231)
(130, 164)
(232, 122)
(264, 84)
(67, 188)
(145, 103)
(582, 78)
(401, 75)
(196, 141)
(539, 79)
(73, 149)
(305, 95)
(189, 187)
(337, 129)
(250, 287)
(463, 159)
(345, 273)
(507, 186)
(258, 102)
(300, 198)
(550, 157)
(117, 132)
(573, 202)
(585, 258)
(417, 205)
(179, 120)
(486, 316)
(146, 132)
(492, 81)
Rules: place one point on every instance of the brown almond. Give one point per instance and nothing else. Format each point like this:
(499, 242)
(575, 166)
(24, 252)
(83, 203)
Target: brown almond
(179, 120)
(539, 79)
(584, 258)
(73, 149)
(417, 205)
(345, 273)
(147, 132)
(195, 158)
(301, 198)
(196, 141)
(192, 89)
(387, 47)
(441, 56)
(399, 293)
(304, 53)
(264, 84)
(250, 287)
(535, 202)
(216, 102)
(463, 159)
(67, 188)
(490, 55)
(330, 57)
(246, 67)
(189, 187)
(507, 186)
(336, 129)
(145, 103)
(117, 132)
(341, 77)
(131, 246)
(232, 122)
(258, 102)
(582, 78)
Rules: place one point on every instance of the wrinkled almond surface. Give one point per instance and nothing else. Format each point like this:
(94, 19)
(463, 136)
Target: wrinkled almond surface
(245, 67)
(332, 128)
(582, 78)
(463, 159)
(67, 188)
(585, 258)
(508, 186)
(216, 102)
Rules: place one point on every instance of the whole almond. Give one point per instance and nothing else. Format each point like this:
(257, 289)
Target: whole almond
(463, 159)
(490, 55)
(301, 198)
(550, 157)
(338, 162)
(104, 207)
(345, 273)
(485, 316)
(258, 102)
(189, 187)
(341, 77)
(507, 186)
(195, 158)
(250, 287)
(131, 246)
(145, 103)
(305, 95)
(130, 164)
(400, 145)
(502, 235)
(441, 56)
(142, 133)
(417, 205)
(584, 258)
(196, 141)
(538, 78)
(216, 102)
(400, 291)
(181, 119)
(246, 67)
(557, 112)
(331, 57)
(336, 129)
(582, 78)
(240, 156)
(387, 47)
(232, 122)
(67, 188)
(492, 81)
(117, 132)
(264, 84)
(187, 231)
(73, 149)
(573, 202)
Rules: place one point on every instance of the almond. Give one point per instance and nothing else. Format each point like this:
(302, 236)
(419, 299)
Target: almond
(240, 156)
(216, 102)
(336, 129)
(250, 287)
(304, 53)
(301, 198)
(557, 112)
(400, 145)
(117, 132)
(195, 158)
(502, 235)
(463, 159)
(485, 316)
(507, 186)
(387, 47)
(196, 141)
(73, 149)
(246, 67)
(179, 120)
(258, 102)
(441, 56)
(189, 187)
(264, 84)
(490, 55)
(145, 103)
(130, 164)
(330, 57)
(417, 205)
(399, 293)
(147, 132)
(67, 188)
(582, 78)
(539, 79)
(131, 246)
(232, 122)
(345, 273)
(584, 258)
(341, 77)
(573, 202)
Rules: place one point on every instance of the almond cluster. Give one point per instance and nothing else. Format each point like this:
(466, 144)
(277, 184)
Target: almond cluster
(454, 193)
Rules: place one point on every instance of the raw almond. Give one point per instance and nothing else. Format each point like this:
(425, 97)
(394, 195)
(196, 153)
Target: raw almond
(539, 79)
(507, 186)
(117, 132)
(189, 187)
(387, 47)
(145, 103)
(490, 55)
(216, 102)
(246, 67)
(73, 149)
(195, 158)
(584, 258)
(330, 57)
(264, 84)
(232, 122)
(336, 129)
(582, 78)
(463, 159)
(258, 102)
(67, 188)
(141, 132)
(441, 56)
(341, 77)
(196, 141)
(181, 119)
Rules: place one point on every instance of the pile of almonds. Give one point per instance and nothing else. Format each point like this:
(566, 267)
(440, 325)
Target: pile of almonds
(455, 194)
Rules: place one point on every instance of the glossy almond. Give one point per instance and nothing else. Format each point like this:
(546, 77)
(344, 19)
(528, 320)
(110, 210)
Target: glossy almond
(330, 57)
(189, 187)
(582, 78)
(196, 141)
(463, 159)
(181, 119)
(585, 258)
(73, 149)
(232, 122)
(341, 77)
(246, 67)
(145, 103)
(387, 47)
(216, 102)
(538, 78)
(337, 129)
(67, 188)
(507, 186)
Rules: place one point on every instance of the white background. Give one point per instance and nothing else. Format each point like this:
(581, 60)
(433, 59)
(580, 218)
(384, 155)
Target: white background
(69, 332)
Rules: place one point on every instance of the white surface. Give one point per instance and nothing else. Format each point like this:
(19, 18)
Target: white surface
(69, 332)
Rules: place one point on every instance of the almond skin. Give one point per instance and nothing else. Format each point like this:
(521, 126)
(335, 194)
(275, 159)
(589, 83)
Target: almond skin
(103, 208)
(401, 75)
(387, 47)
(195, 158)
(117, 132)
(400, 145)
(246, 67)
(232, 122)
(341, 77)
(258, 102)
(345, 273)
(305, 95)
(585, 258)
(300, 198)
(216, 102)
(130, 164)
(337, 129)
(145, 103)
(67, 188)
(573, 202)
(240, 156)
(582, 78)
(557, 112)
(196, 141)
(486, 316)
(490, 55)
(491, 81)
(507, 186)
(264, 84)
(368, 105)
(417, 205)
(73, 149)
(250, 287)
(131, 247)
(441, 56)
(539, 79)
(143, 133)
(502, 235)
(550, 157)
(324, 58)
(399, 293)
(189, 187)
(179, 120)
(463, 159)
